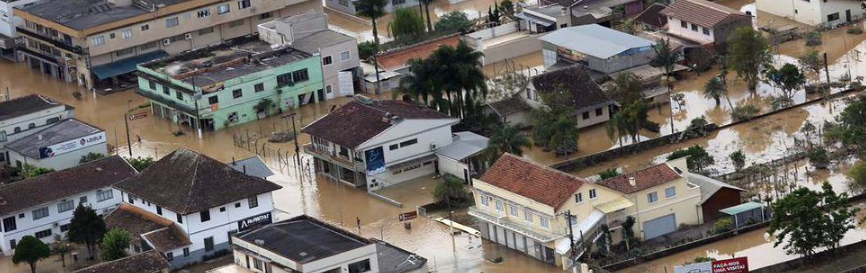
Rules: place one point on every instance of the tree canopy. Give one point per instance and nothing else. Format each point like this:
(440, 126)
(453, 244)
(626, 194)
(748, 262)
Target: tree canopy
(506, 139)
(805, 220)
(407, 24)
(748, 55)
(453, 21)
(86, 227)
(30, 250)
(696, 157)
(114, 244)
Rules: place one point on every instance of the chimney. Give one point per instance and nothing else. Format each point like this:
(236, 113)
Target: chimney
(632, 182)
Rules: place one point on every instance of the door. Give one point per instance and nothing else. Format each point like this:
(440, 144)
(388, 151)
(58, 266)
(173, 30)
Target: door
(659, 226)
(345, 84)
(848, 15)
(321, 96)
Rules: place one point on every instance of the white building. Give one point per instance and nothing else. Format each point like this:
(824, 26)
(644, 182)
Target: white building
(704, 22)
(186, 205)
(43, 206)
(304, 245)
(814, 12)
(26, 115)
(8, 23)
(308, 32)
(374, 144)
(59, 146)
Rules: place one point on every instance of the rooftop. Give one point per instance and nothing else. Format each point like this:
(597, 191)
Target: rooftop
(366, 118)
(644, 179)
(703, 13)
(146, 262)
(253, 166)
(62, 184)
(304, 239)
(510, 105)
(84, 14)
(465, 144)
(209, 66)
(62, 131)
(186, 182)
(651, 16)
(709, 186)
(595, 40)
(25, 105)
(159, 232)
(320, 39)
(393, 259)
(581, 90)
(553, 10)
(532, 180)
(597, 8)
(399, 58)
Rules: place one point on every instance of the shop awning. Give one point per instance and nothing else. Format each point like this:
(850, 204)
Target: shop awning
(534, 19)
(126, 65)
(744, 207)
(411, 162)
(614, 205)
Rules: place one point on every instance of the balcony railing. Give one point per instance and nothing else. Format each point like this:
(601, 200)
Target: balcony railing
(325, 152)
(503, 221)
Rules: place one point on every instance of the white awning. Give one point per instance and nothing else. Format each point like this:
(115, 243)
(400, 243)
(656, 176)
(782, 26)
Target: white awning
(614, 205)
(534, 19)
(562, 247)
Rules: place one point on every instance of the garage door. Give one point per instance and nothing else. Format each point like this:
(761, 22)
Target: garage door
(660, 226)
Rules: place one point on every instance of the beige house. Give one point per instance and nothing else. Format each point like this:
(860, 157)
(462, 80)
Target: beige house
(589, 104)
(97, 43)
(524, 206)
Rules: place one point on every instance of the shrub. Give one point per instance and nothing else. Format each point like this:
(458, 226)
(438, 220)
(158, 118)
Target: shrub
(745, 112)
(696, 157)
(609, 173)
(855, 30)
(819, 158)
(365, 50)
(813, 38)
(723, 225)
(451, 191)
(454, 21)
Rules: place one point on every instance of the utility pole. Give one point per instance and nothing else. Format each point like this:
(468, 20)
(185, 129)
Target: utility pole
(128, 139)
(295, 136)
(195, 97)
(568, 217)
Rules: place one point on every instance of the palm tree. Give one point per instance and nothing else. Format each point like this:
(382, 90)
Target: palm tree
(373, 9)
(665, 56)
(506, 139)
(565, 135)
(458, 73)
(419, 84)
(616, 128)
(715, 89)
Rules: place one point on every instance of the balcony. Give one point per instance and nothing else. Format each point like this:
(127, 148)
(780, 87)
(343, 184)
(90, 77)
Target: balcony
(54, 42)
(325, 153)
(516, 227)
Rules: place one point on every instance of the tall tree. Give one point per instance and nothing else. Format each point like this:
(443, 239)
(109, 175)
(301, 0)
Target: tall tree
(86, 228)
(715, 89)
(373, 9)
(453, 21)
(696, 157)
(114, 244)
(665, 56)
(788, 78)
(852, 124)
(564, 137)
(805, 220)
(407, 24)
(61, 248)
(30, 250)
(458, 73)
(748, 55)
(627, 88)
(419, 84)
(506, 139)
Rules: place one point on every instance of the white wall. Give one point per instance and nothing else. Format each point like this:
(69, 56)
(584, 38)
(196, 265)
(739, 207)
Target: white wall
(675, 28)
(813, 12)
(9, 22)
(59, 162)
(28, 226)
(326, 264)
(39, 119)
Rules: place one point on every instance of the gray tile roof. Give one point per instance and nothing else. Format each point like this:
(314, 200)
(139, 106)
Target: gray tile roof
(304, 239)
(25, 105)
(253, 166)
(146, 262)
(324, 38)
(63, 131)
(595, 40)
(82, 14)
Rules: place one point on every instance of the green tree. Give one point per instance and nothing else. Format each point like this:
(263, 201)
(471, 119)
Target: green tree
(507, 8)
(805, 220)
(716, 89)
(666, 57)
(458, 74)
(420, 84)
(852, 124)
(564, 137)
(451, 192)
(748, 55)
(628, 121)
(857, 174)
(723, 225)
(407, 24)
(264, 106)
(140, 163)
(30, 250)
(628, 231)
(453, 21)
(114, 244)
(90, 157)
(745, 112)
(373, 9)
(86, 228)
(739, 160)
(812, 62)
(696, 157)
(30, 171)
(506, 139)
(494, 17)
(819, 158)
(788, 78)
(627, 88)
(608, 173)
(366, 49)
(61, 248)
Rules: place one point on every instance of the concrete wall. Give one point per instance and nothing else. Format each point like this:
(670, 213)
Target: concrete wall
(675, 27)
(59, 162)
(621, 62)
(27, 226)
(517, 47)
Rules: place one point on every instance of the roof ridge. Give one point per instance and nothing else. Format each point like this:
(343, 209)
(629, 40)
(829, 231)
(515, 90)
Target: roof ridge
(637, 171)
(714, 6)
(545, 167)
(192, 186)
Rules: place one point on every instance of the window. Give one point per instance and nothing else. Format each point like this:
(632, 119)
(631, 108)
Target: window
(148, 46)
(172, 22)
(43, 234)
(408, 142)
(222, 209)
(585, 115)
(145, 28)
(237, 93)
(683, 24)
(260, 87)
(300, 75)
(694, 27)
(652, 197)
(358, 267)
(513, 210)
(257, 264)
(3, 135)
(578, 198)
(98, 41)
(345, 56)
(545, 223)
(706, 31)
(83, 199)
(499, 205)
(833, 17)
(104, 195)
(17, 130)
(328, 89)
(111, 36)
(40, 213)
(65, 206)
(31, 125)
(186, 252)
(236, 23)
(9, 224)
(64, 228)
(12, 244)
(178, 94)
(223, 9)
(484, 201)
(598, 111)
(126, 33)
(527, 216)
(123, 52)
(169, 256)
(238, 205)
(131, 199)
(179, 218)
(254, 201)
(243, 4)
(592, 194)
(670, 192)
(326, 60)
(205, 216)
(264, 16)
(284, 79)
(393, 147)
(205, 31)
(203, 13)
(213, 100)
(208, 244)
(159, 210)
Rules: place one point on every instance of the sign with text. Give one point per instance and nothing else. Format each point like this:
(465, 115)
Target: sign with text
(138, 116)
(258, 220)
(407, 216)
(71, 145)
(735, 265)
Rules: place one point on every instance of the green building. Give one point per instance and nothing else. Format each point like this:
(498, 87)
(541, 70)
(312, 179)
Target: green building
(232, 83)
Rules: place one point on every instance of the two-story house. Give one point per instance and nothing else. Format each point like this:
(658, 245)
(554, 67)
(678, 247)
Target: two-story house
(341, 66)
(815, 12)
(8, 22)
(703, 22)
(601, 49)
(232, 83)
(540, 211)
(187, 205)
(587, 102)
(373, 144)
(99, 42)
(42, 207)
(26, 115)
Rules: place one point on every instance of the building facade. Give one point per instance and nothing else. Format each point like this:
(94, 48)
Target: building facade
(42, 207)
(249, 80)
(598, 48)
(97, 43)
(26, 115)
(825, 13)
(9, 40)
(704, 22)
(585, 100)
(59, 146)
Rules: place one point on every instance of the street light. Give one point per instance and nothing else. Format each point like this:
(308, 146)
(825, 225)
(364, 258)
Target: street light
(295, 136)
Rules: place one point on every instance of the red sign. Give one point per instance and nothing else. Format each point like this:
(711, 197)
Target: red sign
(407, 216)
(735, 265)
(138, 116)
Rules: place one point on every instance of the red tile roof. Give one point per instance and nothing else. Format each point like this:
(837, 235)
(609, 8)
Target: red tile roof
(399, 58)
(644, 179)
(703, 13)
(532, 180)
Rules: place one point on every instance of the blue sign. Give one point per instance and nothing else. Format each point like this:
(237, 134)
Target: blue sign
(375, 161)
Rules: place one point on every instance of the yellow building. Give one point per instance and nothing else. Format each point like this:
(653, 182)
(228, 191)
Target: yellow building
(524, 205)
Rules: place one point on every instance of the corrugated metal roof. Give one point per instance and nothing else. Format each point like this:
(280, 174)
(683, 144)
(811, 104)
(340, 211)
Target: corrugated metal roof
(595, 40)
(744, 207)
